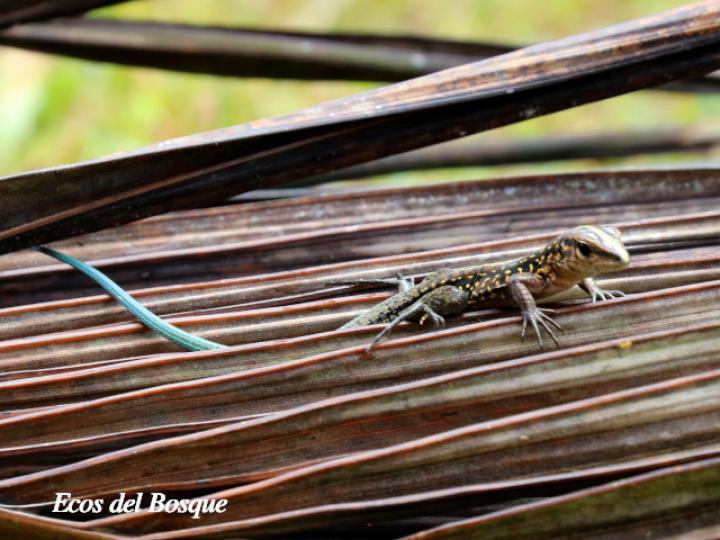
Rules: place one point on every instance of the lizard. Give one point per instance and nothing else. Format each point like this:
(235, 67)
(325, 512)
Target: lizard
(573, 258)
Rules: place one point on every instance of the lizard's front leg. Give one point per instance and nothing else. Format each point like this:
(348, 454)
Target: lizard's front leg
(445, 301)
(596, 293)
(520, 286)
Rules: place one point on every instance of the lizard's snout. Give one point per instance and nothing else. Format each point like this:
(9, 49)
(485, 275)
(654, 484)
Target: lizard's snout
(621, 257)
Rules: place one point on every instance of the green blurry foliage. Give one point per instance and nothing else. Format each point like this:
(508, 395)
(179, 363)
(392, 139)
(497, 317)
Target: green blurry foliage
(56, 110)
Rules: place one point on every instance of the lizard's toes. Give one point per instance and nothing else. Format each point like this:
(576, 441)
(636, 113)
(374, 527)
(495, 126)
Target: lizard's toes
(615, 294)
(607, 295)
(539, 320)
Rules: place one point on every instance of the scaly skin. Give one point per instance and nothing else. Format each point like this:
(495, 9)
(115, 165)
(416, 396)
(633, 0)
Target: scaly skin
(170, 332)
(573, 258)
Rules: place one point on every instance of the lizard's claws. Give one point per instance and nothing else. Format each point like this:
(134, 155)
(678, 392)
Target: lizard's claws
(368, 352)
(602, 294)
(537, 318)
(405, 283)
(436, 319)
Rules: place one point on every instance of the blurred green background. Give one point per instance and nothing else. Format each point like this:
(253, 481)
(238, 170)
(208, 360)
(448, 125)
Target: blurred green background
(55, 110)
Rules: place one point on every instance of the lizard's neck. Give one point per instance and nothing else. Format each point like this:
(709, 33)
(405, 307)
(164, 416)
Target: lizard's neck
(543, 261)
(549, 264)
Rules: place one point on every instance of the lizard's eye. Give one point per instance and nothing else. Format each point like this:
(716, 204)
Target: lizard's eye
(584, 249)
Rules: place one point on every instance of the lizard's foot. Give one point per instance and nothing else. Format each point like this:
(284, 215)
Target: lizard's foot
(413, 311)
(596, 293)
(537, 318)
(437, 320)
(603, 294)
(367, 353)
(405, 284)
(446, 300)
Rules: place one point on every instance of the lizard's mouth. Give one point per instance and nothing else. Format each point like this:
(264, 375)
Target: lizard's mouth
(616, 259)
(623, 258)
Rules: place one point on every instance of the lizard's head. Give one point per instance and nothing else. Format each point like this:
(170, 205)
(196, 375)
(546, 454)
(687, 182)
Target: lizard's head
(592, 249)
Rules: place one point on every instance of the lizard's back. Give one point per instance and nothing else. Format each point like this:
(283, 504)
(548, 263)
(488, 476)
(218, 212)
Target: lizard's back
(388, 310)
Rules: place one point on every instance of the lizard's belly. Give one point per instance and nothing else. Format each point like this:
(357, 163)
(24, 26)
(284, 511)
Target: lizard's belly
(496, 303)
(498, 298)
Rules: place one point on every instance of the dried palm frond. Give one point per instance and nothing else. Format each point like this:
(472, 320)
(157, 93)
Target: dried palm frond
(462, 432)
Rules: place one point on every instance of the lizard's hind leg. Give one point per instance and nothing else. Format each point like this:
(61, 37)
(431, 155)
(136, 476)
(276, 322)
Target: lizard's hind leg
(445, 301)
(404, 283)
(404, 315)
(436, 305)
(401, 282)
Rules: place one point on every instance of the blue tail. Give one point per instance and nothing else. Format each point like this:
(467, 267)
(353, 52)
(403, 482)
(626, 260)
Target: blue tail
(148, 318)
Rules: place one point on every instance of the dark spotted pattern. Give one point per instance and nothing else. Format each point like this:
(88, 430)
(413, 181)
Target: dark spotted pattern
(485, 285)
(577, 255)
